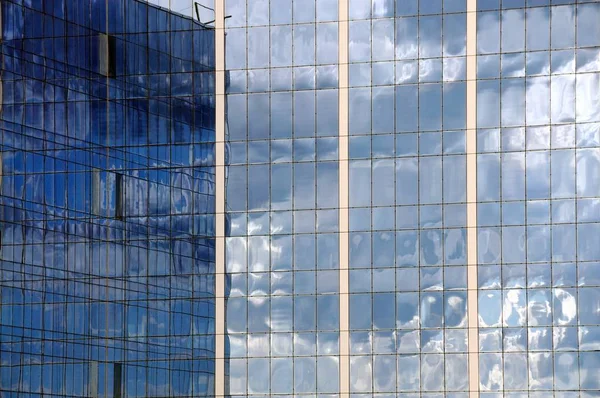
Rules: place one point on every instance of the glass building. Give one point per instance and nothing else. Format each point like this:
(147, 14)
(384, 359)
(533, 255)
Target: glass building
(301, 198)
(282, 197)
(538, 162)
(414, 198)
(107, 148)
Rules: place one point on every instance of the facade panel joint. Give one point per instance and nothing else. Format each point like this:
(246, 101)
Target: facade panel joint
(343, 199)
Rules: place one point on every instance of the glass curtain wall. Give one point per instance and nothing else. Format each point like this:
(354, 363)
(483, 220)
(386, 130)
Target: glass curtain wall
(407, 198)
(282, 197)
(538, 193)
(107, 249)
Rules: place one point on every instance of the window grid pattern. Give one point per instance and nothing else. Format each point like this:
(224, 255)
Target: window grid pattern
(538, 157)
(282, 197)
(408, 304)
(106, 258)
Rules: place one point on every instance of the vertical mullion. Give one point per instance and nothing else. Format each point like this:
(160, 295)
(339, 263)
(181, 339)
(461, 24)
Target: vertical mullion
(220, 379)
(472, 293)
(343, 197)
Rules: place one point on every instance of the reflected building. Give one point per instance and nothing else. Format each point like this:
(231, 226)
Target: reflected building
(107, 149)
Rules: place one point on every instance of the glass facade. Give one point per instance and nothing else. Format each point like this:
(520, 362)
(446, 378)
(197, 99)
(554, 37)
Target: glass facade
(473, 156)
(407, 182)
(107, 252)
(282, 197)
(538, 160)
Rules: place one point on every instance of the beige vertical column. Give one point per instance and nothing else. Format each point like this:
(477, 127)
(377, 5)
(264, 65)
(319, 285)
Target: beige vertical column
(343, 197)
(220, 379)
(473, 336)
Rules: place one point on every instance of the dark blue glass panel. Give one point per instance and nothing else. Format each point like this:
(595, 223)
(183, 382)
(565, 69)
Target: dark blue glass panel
(107, 200)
